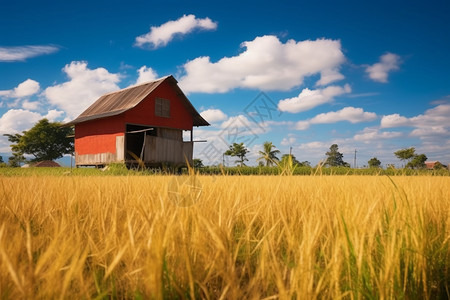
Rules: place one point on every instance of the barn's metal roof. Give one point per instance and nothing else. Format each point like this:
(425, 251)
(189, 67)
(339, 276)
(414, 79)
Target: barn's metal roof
(118, 102)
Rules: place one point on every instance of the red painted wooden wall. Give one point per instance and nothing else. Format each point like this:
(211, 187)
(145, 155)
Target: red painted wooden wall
(144, 112)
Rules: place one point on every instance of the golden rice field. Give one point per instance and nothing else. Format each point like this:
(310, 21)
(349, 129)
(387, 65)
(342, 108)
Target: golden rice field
(245, 237)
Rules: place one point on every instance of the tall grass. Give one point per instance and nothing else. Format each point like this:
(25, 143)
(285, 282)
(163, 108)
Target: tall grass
(332, 237)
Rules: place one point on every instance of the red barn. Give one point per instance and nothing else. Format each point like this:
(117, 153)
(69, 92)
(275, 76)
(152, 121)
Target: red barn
(144, 122)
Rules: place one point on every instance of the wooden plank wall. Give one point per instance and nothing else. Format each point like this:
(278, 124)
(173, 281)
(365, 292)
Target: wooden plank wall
(159, 149)
(169, 133)
(95, 159)
(120, 148)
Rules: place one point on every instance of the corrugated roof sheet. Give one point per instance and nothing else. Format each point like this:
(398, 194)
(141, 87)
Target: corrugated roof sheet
(118, 102)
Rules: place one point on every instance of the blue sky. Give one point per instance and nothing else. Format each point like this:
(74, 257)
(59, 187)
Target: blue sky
(371, 76)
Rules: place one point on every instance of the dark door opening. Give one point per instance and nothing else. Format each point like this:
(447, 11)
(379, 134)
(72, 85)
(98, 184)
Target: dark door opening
(135, 137)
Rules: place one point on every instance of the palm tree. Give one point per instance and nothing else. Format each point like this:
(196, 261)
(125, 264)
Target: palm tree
(268, 155)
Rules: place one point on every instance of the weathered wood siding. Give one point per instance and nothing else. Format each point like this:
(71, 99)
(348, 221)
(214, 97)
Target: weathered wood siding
(188, 149)
(159, 149)
(120, 148)
(95, 159)
(170, 133)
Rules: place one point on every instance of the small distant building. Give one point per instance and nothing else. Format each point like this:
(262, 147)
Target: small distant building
(142, 123)
(431, 165)
(46, 164)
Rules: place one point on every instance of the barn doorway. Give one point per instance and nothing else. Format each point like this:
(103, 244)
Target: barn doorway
(135, 140)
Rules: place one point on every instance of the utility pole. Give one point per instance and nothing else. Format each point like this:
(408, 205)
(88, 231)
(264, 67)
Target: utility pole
(290, 151)
(354, 161)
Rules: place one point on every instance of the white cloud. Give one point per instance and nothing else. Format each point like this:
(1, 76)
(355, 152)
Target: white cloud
(159, 36)
(314, 145)
(83, 88)
(213, 115)
(309, 99)
(373, 134)
(146, 74)
(242, 125)
(379, 71)
(288, 141)
(53, 114)
(350, 114)
(30, 105)
(18, 120)
(436, 117)
(21, 53)
(27, 88)
(430, 131)
(266, 64)
(433, 125)
(329, 76)
(394, 120)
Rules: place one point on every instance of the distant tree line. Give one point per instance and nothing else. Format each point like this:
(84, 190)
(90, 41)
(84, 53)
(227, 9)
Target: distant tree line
(268, 157)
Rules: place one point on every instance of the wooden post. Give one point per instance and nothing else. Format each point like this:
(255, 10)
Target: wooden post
(143, 147)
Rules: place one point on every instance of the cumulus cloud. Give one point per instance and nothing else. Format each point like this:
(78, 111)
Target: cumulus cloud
(435, 122)
(83, 88)
(25, 89)
(373, 134)
(159, 36)
(53, 115)
(266, 64)
(30, 105)
(394, 120)
(21, 53)
(18, 120)
(380, 71)
(329, 76)
(430, 131)
(309, 99)
(146, 74)
(315, 145)
(436, 116)
(287, 141)
(350, 114)
(213, 115)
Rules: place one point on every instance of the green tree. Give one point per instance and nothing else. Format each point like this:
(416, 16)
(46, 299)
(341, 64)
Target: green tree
(438, 166)
(414, 161)
(197, 163)
(374, 162)
(335, 158)
(268, 155)
(305, 164)
(238, 150)
(405, 154)
(45, 141)
(417, 162)
(16, 160)
(1, 159)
